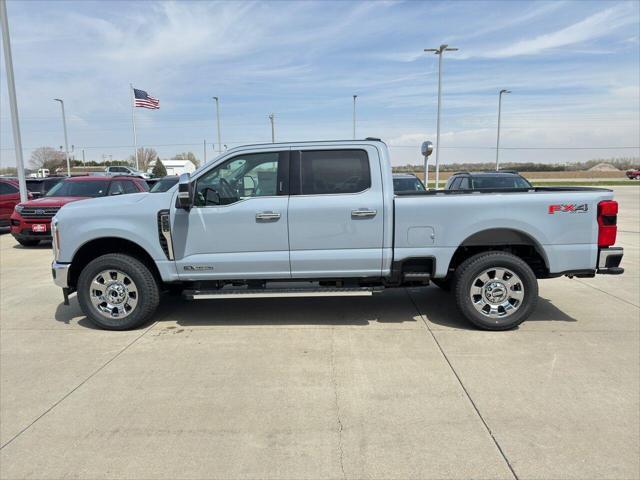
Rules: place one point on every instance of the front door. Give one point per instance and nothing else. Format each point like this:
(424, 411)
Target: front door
(336, 214)
(237, 228)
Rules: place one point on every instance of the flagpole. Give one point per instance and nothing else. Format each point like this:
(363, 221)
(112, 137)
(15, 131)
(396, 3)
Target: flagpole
(133, 119)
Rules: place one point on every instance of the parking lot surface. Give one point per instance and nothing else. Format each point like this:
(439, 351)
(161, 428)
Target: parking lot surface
(394, 386)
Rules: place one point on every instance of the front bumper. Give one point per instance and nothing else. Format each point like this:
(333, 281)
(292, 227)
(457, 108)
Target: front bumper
(60, 272)
(609, 260)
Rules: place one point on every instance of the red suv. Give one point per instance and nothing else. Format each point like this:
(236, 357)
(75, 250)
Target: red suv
(9, 198)
(30, 221)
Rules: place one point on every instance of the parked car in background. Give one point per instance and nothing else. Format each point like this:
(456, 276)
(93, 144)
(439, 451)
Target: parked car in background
(122, 170)
(9, 198)
(163, 184)
(31, 221)
(633, 174)
(407, 182)
(486, 180)
(39, 187)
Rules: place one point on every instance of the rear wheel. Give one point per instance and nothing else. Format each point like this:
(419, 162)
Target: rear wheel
(495, 290)
(27, 243)
(117, 292)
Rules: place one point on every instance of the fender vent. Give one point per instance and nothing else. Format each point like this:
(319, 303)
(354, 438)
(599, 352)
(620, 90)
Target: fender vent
(164, 233)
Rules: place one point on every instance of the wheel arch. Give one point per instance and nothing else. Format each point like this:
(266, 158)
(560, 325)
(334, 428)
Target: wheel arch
(510, 240)
(101, 246)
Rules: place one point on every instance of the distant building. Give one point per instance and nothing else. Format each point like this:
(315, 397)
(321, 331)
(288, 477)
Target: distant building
(175, 167)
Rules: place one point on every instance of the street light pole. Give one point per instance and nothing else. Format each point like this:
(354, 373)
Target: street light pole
(217, 99)
(499, 117)
(13, 102)
(439, 51)
(273, 128)
(354, 116)
(66, 143)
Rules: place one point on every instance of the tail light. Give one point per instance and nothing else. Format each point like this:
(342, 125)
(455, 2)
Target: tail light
(607, 223)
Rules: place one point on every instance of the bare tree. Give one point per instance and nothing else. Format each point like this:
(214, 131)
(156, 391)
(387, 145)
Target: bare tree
(47, 157)
(187, 156)
(146, 156)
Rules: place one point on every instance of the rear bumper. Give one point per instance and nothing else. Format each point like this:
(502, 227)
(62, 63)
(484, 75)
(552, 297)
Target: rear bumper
(60, 273)
(609, 261)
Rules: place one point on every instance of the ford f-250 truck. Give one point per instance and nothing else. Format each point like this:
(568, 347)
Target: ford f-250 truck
(322, 219)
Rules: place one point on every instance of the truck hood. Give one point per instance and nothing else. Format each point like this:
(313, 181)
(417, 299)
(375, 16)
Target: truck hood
(52, 201)
(116, 201)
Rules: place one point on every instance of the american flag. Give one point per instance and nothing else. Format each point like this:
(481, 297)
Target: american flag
(144, 100)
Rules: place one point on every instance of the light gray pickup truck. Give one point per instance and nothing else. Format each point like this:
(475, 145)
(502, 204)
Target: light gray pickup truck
(322, 219)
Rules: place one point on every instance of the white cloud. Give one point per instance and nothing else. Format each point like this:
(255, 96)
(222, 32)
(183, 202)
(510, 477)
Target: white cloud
(592, 27)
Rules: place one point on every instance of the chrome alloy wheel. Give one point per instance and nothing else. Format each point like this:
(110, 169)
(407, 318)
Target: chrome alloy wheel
(113, 294)
(497, 293)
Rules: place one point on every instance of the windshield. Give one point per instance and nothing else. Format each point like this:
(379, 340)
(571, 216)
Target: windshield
(500, 181)
(90, 188)
(164, 184)
(408, 185)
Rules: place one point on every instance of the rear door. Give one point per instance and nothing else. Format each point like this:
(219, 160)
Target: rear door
(336, 215)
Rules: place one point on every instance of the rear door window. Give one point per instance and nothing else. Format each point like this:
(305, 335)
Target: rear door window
(129, 187)
(324, 172)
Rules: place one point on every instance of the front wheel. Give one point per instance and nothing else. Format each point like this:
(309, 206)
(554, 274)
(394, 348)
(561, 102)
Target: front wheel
(117, 292)
(495, 290)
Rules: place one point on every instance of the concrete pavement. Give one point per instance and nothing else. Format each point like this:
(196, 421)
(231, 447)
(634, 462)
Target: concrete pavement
(394, 386)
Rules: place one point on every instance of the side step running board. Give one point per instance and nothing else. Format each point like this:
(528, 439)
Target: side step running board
(279, 293)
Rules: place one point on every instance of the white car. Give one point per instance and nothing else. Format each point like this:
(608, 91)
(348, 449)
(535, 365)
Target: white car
(122, 170)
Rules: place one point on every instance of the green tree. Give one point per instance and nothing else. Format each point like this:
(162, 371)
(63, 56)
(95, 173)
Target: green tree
(159, 169)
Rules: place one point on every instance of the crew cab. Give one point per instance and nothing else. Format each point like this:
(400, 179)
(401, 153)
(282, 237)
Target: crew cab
(30, 221)
(322, 219)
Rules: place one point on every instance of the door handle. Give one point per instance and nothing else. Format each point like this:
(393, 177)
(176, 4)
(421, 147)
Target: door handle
(363, 213)
(267, 216)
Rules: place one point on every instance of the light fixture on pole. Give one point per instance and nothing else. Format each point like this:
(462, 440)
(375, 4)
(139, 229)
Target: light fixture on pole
(217, 99)
(439, 51)
(66, 143)
(13, 102)
(426, 149)
(354, 116)
(272, 118)
(499, 117)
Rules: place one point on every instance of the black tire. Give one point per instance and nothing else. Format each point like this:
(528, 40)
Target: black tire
(27, 243)
(148, 293)
(467, 273)
(445, 284)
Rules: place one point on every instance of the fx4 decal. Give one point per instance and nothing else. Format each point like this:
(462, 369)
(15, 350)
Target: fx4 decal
(568, 208)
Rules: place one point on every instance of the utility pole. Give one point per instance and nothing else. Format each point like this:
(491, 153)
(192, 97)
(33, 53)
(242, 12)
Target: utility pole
(13, 102)
(66, 143)
(205, 150)
(354, 116)
(273, 128)
(498, 136)
(83, 160)
(439, 51)
(217, 99)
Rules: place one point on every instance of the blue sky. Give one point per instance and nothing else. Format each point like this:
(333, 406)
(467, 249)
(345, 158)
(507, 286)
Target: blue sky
(573, 67)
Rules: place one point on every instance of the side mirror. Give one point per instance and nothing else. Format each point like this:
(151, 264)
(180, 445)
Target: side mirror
(185, 192)
(426, 148)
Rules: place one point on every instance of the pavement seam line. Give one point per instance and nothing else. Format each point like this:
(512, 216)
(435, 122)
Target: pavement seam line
(605, 292)
(334, 382)
(64, 397)
(464, 389)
